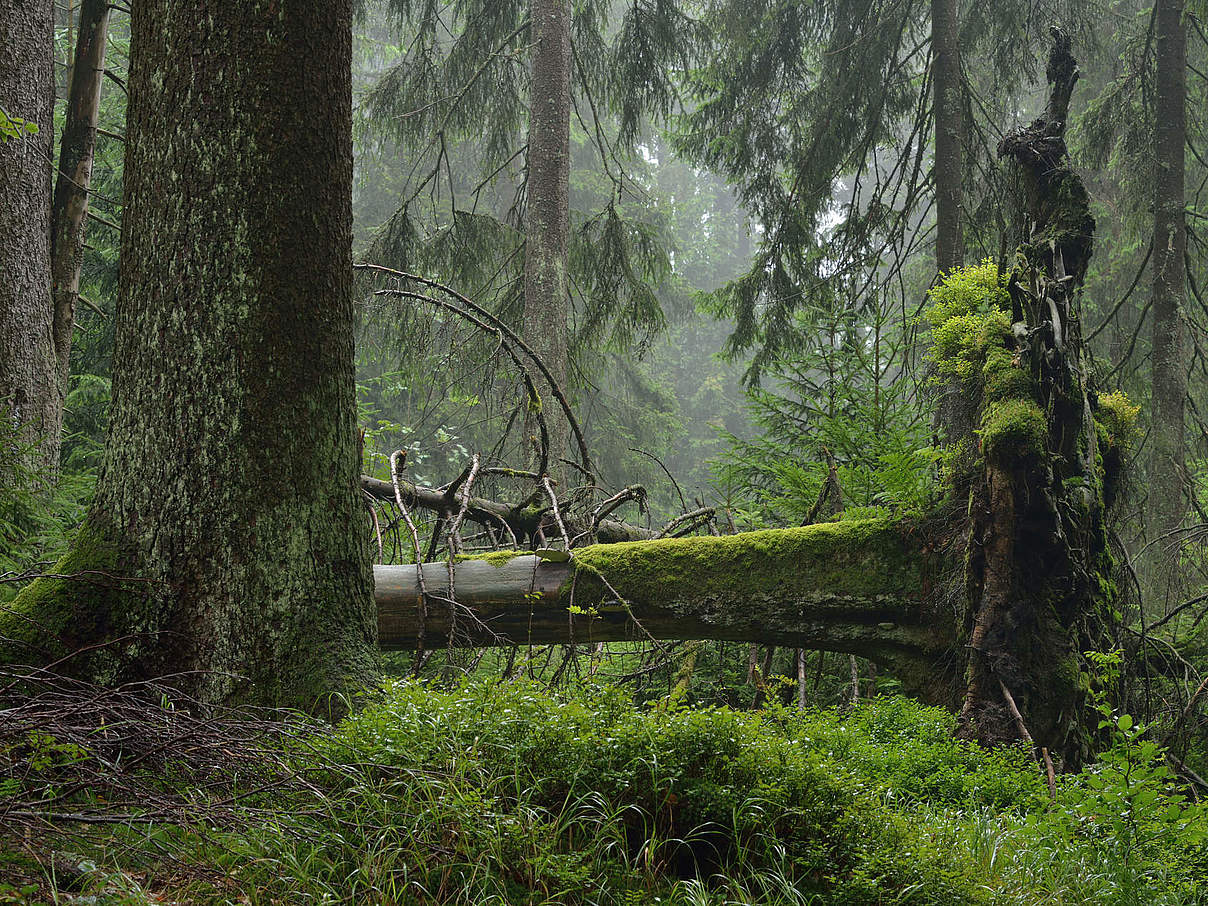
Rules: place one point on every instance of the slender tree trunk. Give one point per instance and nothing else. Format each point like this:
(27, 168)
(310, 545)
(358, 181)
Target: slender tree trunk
(28, 389)
(547, 222)
(946, 103)
(1167, 480)
(802, 698)
(69, 211)
(229, 491)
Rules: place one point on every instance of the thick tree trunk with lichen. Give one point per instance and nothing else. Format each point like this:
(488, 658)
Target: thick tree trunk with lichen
(228, 500)
(547, 212)
(30, 397)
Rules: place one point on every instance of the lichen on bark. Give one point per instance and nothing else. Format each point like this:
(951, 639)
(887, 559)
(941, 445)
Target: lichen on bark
(229, 486)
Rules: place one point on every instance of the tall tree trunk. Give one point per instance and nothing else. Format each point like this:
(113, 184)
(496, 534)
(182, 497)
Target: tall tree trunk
(547, 221)
(28, 390)
(228, 499)
(1167, 479)
(69, 211)
(946, 104)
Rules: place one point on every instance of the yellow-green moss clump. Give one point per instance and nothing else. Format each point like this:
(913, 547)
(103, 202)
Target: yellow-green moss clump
(1117, 414)
(1012, 430)
(971, 332)
(968, 316)
(972, 342)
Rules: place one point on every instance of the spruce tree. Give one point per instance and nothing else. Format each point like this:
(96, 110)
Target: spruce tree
(225, 546)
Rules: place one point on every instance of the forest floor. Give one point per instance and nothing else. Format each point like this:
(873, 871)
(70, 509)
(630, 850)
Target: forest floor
(511, 793)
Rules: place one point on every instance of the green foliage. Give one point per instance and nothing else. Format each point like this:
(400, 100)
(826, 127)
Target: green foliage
(36, 513)
(14, 127)
(510, 794)
(1013, 430)
(968, 315)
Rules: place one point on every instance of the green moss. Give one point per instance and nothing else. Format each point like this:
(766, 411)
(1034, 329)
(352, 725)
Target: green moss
(828, 562)
(1003, 377)
(51, 612)
(1012, 430)
(960, 343)
(495, 558)
(1117, 415)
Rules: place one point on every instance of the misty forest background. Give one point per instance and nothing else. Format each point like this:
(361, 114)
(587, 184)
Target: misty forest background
(753, 244)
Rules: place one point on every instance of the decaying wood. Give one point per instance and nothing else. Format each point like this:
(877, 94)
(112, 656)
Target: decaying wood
(523, 521)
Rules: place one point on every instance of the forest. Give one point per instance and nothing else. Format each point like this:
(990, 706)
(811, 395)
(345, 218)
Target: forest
(603, 452)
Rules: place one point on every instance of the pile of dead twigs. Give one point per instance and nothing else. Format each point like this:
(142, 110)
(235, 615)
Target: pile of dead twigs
(78, 756)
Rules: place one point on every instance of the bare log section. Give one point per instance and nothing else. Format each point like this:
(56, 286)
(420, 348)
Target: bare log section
(859, 587)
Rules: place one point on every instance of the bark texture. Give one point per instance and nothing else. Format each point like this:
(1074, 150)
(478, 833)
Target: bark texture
(69, 211)
(1167, 502)
(29, 392)
(230, 485)
(860, 587)
(947, 113)
(547, 218)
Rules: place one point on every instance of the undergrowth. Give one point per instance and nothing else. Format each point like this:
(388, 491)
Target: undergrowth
(510, 794)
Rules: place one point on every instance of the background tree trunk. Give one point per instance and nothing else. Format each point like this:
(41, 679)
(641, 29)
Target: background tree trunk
(69, 211)
(1167, 501)
(946, 103)
(29, 392)
(229, 488)
(547, 221)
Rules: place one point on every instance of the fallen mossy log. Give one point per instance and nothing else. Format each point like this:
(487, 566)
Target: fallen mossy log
(858, 587)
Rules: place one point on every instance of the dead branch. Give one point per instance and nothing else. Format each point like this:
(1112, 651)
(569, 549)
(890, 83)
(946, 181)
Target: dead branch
(518, 521)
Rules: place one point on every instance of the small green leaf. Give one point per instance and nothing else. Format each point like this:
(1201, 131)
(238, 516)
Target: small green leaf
(1125, 723)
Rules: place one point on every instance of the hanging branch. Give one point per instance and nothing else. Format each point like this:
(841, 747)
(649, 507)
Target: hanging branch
(534, 399)
(503, 328)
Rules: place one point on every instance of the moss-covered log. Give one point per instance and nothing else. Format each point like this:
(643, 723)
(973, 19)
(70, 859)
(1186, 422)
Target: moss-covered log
(859, 587)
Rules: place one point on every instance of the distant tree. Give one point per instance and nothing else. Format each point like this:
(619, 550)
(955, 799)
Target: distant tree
(948, 116)
(1167, 500)
(460, 114)
(225, 547)
(547, 222)
(30, 395)
(69, 209)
